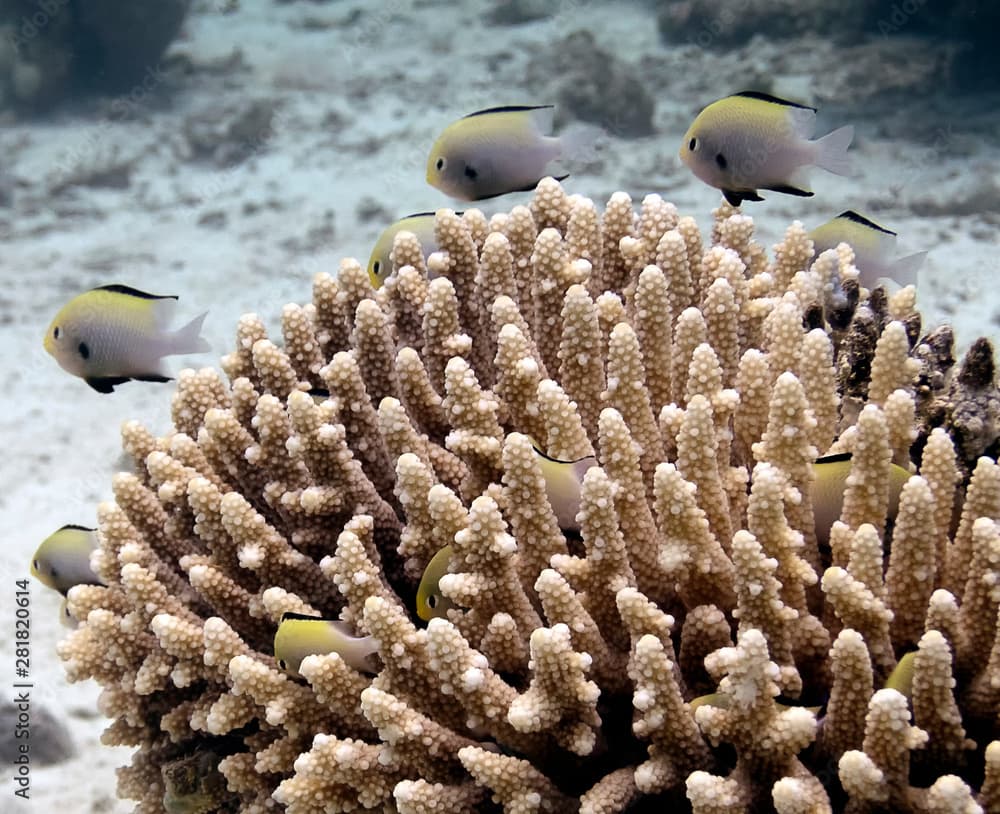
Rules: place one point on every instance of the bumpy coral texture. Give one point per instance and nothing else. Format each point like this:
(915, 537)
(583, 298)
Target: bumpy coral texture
(320, 473)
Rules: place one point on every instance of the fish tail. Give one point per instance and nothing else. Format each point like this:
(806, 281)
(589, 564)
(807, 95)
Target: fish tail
(904, 270)
(831, 151)
(188, 339)
(581, 143)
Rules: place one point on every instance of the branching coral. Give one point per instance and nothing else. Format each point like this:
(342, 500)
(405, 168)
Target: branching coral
(682, 639)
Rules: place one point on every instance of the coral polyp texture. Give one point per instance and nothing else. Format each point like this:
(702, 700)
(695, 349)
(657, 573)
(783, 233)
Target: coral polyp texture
(692, 640)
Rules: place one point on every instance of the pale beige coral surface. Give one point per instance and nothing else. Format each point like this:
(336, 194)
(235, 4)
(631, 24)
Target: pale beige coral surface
(320, 473)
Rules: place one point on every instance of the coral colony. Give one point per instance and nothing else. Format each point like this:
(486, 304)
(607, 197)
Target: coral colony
(699, 644)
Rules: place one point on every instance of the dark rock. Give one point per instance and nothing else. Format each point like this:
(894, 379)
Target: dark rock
(48, 739)
(518, 12)
(36, 52)
(973, 414)
(592, 85)
(119, 42)
(229, 136)
(724, 24)
(51, 48)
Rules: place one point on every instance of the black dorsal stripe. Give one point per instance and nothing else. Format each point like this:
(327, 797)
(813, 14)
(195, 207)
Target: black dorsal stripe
(774, 100)
(836, 458)
(75, 527)
(507, 109)
(119, 288)
(428, 214)
(558, 460)
(851, 215)
(287, 615)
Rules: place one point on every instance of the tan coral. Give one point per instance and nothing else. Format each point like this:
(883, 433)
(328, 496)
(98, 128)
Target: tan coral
(552, 683)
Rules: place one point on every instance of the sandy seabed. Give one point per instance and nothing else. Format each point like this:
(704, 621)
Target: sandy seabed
(128, 194)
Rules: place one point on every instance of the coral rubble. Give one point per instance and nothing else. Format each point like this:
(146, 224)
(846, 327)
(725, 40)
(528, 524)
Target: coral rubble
(687, 641)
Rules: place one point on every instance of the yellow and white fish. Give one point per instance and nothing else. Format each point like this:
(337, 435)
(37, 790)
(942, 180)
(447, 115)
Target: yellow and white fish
(562, 486)
(115, 333)
(380, 262)
(500, 150)
(874, 248)
(63, 559)
(751, 141)
(901, 677)
(431, 603)
(299, 635)
(831, 474)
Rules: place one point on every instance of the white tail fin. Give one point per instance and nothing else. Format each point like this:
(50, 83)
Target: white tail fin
(581, 144)
(188, 340)
(904, 270)
(831, 151)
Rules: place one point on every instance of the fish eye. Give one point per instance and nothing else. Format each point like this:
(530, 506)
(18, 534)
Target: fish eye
(440, 164)
(720, 159)
(471, 174)
(84, 350)
(55, 332)
(378, 266)
(693, 144)
(432, 601)
(34, 564)
(281, 664)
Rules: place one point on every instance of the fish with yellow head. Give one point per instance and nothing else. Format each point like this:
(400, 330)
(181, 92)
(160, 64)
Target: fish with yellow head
(299, 635)
(874, 248)
(421, 224)
(831, 473)
(114, 334)
(504, 149)
(431, 603)
(562, 488)
(752, 141)
(63, 559)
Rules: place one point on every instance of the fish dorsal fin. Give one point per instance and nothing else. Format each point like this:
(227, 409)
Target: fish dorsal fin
(853, 216)
(75, 527)
(836, 458)
(508, 109)
(548, 457)
(120, 288)
(288, 615)
(774, 100)
(429, 214)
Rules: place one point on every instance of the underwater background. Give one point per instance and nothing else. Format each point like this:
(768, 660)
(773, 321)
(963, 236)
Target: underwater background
(225, 151)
